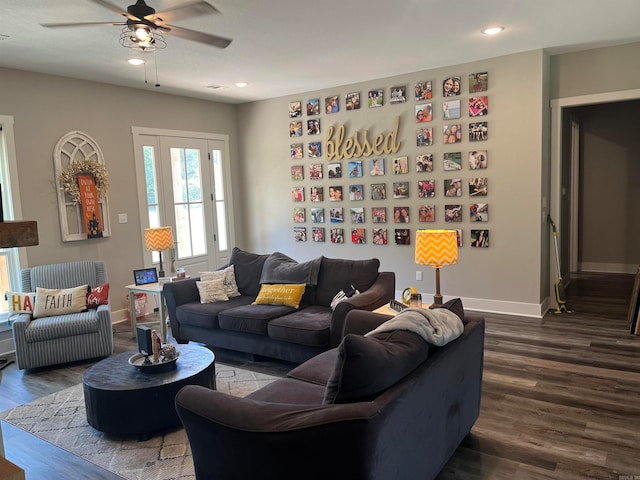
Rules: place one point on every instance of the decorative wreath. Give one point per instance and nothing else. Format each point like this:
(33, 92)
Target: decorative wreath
(69, 178)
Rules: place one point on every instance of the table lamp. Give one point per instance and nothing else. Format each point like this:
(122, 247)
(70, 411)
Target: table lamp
(436, 248)
(158, 239)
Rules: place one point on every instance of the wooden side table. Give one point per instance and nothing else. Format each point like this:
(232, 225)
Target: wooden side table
(150, 289)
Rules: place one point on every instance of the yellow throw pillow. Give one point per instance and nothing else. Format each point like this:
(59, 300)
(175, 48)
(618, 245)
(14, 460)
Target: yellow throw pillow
(60, 301)
(289, 294)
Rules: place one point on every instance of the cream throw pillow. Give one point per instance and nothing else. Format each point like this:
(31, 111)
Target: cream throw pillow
(289, 294)
(60, 301)
(20, 302)
(212, 291)
(228, 276)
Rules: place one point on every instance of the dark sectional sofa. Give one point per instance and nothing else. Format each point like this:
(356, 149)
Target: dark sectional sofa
(278, 331)
(386, 406)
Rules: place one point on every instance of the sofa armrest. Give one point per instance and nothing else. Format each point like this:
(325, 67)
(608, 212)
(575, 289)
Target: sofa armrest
(176, 294)
(360, 322)
(376, 296)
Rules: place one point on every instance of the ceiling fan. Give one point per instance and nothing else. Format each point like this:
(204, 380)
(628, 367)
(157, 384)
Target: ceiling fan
(143, 23)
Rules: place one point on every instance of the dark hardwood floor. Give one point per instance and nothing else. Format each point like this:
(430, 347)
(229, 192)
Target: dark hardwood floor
(561, 396)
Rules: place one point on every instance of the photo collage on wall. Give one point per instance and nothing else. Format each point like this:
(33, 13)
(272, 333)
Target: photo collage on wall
(445, 182)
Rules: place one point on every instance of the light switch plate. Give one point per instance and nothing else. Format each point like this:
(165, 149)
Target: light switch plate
(122, 218)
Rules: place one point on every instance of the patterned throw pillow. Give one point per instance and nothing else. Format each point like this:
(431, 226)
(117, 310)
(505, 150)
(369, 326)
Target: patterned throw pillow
(98, 296)
(289, 294)
(60, 301)
(20, 302)
(212, 291)
(228, 279)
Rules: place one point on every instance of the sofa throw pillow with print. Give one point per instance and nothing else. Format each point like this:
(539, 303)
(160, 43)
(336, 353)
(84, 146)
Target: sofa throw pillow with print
(212, 291)
(228, 276)
(20, 302)
(98, 296)
(60, 301)
(289, 294)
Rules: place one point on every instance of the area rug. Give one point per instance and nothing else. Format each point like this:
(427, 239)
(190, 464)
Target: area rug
(60, 419)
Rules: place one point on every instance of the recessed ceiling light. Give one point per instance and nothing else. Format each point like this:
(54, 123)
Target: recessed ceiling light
(492, 30)
(136, 61)
(241, 84)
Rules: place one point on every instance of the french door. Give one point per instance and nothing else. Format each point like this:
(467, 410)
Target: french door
(183, 182)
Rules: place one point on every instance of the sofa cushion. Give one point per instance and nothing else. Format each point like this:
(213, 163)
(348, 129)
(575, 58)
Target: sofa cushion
(251, 318)
(60, 301)
(279, 268)
(308, 326)
(317, 369)
(248, 269)
(289, 391)
(336, 274)
(289, 294)
(62, 326)
(367, 366)
(205, 315)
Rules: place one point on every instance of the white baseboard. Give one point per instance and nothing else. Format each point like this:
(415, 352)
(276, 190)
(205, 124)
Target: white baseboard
(608, 267)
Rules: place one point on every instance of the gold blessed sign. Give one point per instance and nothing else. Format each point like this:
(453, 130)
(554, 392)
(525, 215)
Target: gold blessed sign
(359, 145)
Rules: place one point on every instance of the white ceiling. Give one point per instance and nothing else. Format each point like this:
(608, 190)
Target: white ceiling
(284, 47)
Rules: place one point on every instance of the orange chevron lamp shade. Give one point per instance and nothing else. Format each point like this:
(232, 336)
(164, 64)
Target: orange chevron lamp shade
(158, 239)
(436, 247)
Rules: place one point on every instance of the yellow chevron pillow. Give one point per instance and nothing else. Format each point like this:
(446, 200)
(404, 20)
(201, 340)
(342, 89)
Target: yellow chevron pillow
(289, 294)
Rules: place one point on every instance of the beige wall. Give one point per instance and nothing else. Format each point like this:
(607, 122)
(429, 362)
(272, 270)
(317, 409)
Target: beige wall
(47, 107)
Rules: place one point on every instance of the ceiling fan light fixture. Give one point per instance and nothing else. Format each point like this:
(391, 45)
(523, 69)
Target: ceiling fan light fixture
(492, 30)
(241, 84)
(135, 61)
(153, 40)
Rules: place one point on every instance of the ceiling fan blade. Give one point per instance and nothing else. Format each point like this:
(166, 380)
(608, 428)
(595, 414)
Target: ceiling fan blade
(189, 9)
(115, 8)
(82, 24)
(199, 37)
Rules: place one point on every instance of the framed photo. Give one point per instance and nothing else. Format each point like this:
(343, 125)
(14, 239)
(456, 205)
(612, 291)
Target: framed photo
(295, 129)
(459, 237)
(376, 167)
(400, 189)
(424, 137)
(375, 98)
(331, 104)
(478, 131)
(424, 163)
(401, 214)
(379, 214)
(400, 165)
(337, 235)
(452, 133)
(296, 151)
(424, 113)
(358, 236)
(403, 236)
(479, 212)
(313, 106)
(335, 193)
(427, 213)
(298, 215)
(145, 276)
(452, 161)
(379, 236)
(300, 234)
(317, 234)
(451, 86)
(423, 90)
(298, 194)
(336, 215)
(355, 168)
(478, 82)
(453, 187)
(314, 149)
(478, 187)
(315, 171)
(352, 101)
(295, 109)
(480, 238)
(378, 191)
(426, 188)
(355, 192)
(313, 126)
(451, 109)
(317, 194)
(317, 215)
(334, 170)
(478, 106)
(478, 159)
(357, 215)
(297, 172)
(453, 213)
(398, 95)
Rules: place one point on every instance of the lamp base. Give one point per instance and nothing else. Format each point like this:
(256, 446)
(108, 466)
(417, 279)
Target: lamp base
(437, 299)
(161, 274)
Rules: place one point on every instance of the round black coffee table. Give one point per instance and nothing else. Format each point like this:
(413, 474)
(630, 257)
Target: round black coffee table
(122, 399)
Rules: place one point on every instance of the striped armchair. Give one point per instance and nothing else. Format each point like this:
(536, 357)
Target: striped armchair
(63, 338)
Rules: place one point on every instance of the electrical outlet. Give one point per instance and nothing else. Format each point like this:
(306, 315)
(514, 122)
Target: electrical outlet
(122, 218)
(418, 275)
